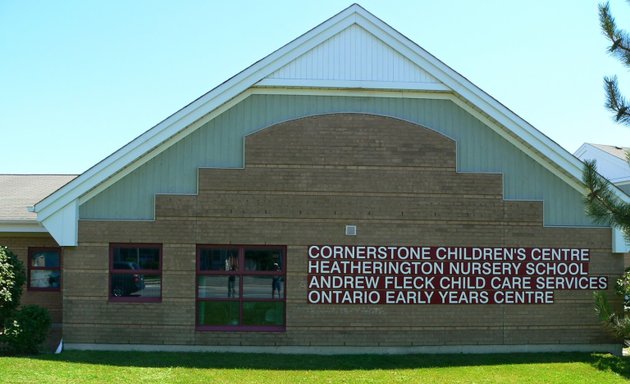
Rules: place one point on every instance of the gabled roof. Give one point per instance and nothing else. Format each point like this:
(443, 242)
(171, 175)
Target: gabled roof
(20, 192)
(329, 57)
(611, 161)
(618, 152)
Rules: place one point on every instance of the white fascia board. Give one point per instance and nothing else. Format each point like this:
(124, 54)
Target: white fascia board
(21, 226)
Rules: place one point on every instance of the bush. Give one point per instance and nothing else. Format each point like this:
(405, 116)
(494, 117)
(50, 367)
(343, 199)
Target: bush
(27, 329)
(12, 278)
(23, 330)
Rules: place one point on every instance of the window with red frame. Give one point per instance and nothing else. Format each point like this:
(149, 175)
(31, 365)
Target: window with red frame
(135, 272)
(44, 269)
(241, 287)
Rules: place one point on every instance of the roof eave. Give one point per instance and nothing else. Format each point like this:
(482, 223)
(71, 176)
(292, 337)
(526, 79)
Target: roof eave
(21, 226)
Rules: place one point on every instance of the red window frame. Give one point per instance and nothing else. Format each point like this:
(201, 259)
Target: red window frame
(142, 272)
(31, 268)
(241, 272)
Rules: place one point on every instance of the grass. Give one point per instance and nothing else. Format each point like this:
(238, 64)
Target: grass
(144, 367)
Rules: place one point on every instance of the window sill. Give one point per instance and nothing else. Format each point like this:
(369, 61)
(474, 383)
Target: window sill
(241, 328)
(41, 289)
(135, 299)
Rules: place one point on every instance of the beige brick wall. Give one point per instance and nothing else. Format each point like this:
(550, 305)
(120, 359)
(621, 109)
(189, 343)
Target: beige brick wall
(303, 182)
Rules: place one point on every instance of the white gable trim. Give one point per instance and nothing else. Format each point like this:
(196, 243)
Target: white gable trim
(62, 206)
(352, 84)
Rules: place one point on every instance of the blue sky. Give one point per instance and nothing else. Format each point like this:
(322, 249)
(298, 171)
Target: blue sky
(79, 79)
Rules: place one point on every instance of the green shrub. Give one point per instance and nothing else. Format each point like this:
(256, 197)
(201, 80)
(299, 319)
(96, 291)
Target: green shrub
(27, 329)
(12, 278)
(23, 330)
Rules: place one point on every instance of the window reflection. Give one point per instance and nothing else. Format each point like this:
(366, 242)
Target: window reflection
(263, 287)
(218, 259)
(44, 268)
(240, 287)
(222, 286)
(263, 260)
(135, 273)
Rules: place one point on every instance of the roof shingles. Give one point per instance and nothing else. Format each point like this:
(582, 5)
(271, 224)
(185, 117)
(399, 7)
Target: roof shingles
(18, 192)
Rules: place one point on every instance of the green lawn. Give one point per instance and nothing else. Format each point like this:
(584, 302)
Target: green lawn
(141, 367)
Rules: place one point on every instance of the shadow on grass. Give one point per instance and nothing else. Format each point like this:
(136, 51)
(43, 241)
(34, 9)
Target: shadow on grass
(603, 362)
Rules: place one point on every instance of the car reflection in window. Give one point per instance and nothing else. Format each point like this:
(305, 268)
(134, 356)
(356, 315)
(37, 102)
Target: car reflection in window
(126, 284)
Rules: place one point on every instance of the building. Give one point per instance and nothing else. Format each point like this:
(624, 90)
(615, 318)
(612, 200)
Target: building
(28, 239)
(612, 162)
(347, 193)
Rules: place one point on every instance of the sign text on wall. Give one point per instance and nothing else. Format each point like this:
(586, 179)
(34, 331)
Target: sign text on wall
(339, 274)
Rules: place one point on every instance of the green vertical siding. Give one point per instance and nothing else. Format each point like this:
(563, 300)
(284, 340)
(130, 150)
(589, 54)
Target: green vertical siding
(219, 143)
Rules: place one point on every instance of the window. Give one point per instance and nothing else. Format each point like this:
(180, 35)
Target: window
(44, 269)
(135, 272)
(241, 288)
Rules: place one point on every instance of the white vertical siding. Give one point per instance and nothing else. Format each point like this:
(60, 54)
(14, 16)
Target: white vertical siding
(354, 55)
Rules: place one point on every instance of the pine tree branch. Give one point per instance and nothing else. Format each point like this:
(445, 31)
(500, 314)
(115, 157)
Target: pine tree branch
(620, 40)
(602, 205)
(620, 48)
(617, 325)
(615, 102)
